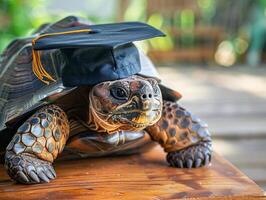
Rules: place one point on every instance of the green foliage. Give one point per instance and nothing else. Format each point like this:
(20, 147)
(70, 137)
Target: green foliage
(165, 43)
(208, 8)
(19, 18)
(136, 11)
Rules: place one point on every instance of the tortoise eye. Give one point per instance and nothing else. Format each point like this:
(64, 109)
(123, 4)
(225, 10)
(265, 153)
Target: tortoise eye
(119, 93)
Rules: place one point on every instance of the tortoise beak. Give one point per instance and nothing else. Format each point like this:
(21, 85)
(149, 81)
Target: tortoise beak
(146, 105)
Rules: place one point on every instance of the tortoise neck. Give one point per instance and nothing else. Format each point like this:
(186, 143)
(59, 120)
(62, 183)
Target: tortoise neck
(97, 122)
(94, 122)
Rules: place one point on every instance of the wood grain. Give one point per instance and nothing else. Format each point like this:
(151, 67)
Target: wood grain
(145, 176)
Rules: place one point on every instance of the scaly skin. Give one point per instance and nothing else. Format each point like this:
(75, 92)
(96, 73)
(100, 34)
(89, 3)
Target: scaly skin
(36, 144)
(183, 136)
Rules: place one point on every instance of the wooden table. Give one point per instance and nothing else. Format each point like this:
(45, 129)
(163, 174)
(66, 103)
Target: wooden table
(140, 177)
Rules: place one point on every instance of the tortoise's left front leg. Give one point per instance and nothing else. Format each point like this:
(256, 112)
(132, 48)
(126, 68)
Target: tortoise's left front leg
(183, 136)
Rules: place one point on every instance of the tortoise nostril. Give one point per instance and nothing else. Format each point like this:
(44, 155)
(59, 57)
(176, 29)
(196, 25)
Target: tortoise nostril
(144, 96)
(150, 95)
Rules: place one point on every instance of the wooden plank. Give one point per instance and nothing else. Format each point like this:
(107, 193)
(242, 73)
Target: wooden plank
(145, 176)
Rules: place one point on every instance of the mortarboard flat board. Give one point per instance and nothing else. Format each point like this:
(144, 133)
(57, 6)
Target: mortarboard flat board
(94, 53)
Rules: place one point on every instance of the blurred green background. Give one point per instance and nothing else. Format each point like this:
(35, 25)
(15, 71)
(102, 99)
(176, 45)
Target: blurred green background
(222, 31)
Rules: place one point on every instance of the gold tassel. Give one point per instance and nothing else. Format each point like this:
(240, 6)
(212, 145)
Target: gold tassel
(37, 66)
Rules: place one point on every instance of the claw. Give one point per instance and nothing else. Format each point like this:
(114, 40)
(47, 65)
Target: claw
(43, 177)
(34, 177)
(49, 174)
(189, 163)
(207, 159)
(172, 163)
(52, 170)
(22, 177)
(30, 168)
(200, 155)
(198, 162)
(179, 164)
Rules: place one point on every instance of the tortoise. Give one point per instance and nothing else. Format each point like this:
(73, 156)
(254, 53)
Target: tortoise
(118, 117)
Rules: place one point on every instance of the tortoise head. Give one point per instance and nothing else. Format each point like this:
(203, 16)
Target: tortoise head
(127, 104)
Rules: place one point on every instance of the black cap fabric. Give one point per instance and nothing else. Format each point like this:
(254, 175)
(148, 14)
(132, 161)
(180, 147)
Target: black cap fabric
(89, 66)
(102, 35)
(98, 53)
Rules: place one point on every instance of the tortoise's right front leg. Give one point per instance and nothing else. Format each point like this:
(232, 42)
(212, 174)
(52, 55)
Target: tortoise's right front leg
(183, 136)
(35, 146)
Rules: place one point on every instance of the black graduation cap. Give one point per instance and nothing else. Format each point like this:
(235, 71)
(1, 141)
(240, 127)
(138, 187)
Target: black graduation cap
(94, 53)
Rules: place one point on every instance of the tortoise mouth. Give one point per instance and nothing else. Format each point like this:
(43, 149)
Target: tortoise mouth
(137, 119)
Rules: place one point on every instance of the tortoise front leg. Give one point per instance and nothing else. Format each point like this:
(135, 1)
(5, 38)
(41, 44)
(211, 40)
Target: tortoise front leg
(35, 146)
(183, 136)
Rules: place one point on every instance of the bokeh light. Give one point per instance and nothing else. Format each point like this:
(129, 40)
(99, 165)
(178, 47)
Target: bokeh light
(225, 54)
